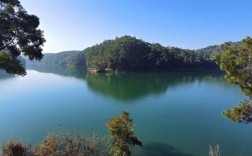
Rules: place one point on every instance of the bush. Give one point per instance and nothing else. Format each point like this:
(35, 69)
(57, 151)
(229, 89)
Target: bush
(61, 144)
(14, 148)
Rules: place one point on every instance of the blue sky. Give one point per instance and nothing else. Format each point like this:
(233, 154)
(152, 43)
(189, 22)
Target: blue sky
(191, 24)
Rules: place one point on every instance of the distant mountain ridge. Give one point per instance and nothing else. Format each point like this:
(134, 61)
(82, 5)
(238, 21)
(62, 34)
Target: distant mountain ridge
(61, 58)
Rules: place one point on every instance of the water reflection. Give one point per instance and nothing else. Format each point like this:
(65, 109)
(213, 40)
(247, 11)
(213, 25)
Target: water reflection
(132, 86)
(160, 149)
(59, 70)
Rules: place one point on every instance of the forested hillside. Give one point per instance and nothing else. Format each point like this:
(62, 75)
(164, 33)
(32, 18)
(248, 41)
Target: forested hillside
(131, 54)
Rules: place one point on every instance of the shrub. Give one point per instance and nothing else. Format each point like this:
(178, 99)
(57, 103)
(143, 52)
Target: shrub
(122, 134)
(14, 148)
(68, 144)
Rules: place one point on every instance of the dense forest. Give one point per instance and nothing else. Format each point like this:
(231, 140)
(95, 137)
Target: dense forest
(131, 54)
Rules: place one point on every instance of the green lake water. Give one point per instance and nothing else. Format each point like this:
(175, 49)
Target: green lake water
(175, 114)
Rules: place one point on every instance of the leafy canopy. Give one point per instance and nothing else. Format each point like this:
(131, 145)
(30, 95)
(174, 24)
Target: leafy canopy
(122, 134)
(241, 113)
(19, 34)
(237, 62)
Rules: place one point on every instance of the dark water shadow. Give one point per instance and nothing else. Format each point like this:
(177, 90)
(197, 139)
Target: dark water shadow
(130, 86)
(133, 86)
(159, 149)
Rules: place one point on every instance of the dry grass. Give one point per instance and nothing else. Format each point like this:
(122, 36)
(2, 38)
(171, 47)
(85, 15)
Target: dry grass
(68, 144)
(62, 144)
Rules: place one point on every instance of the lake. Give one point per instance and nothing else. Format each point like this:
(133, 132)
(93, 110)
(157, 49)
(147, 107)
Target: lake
(176, 114)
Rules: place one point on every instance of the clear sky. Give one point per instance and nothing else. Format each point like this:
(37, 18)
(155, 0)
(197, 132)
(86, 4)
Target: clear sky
(191, 24)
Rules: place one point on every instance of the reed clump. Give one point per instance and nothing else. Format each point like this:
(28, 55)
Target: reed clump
(214, 151)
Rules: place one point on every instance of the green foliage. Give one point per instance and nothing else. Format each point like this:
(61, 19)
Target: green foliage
(237, 62)
(19, 33)
(122, 134)
(130, 54)
(11, 65)
(241, 113)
